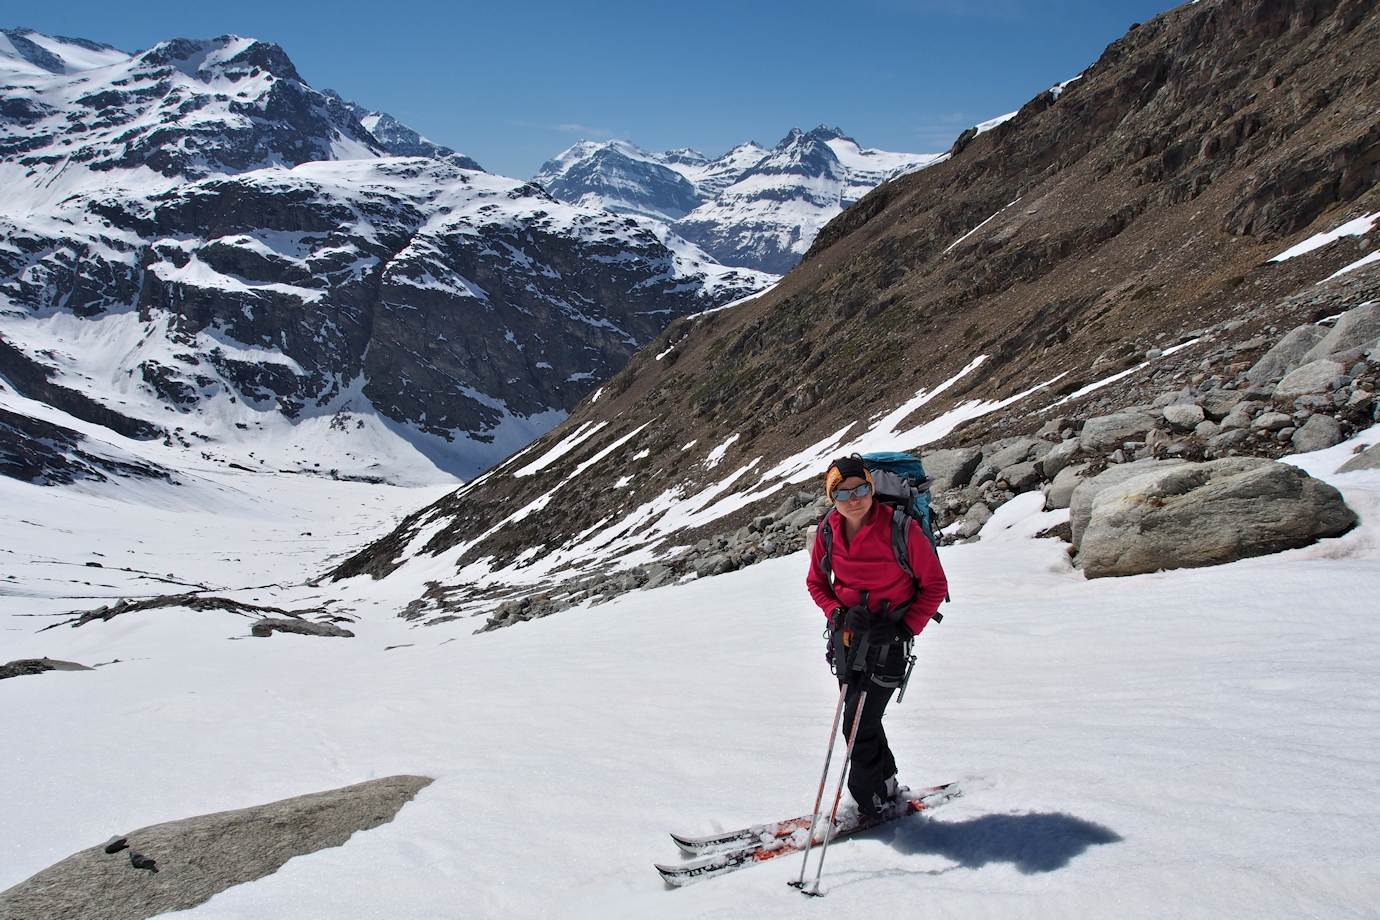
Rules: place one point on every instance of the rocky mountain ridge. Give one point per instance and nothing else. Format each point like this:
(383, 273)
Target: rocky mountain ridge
(1156, 226)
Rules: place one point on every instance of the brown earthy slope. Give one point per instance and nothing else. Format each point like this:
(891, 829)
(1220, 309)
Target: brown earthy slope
(1139, 205)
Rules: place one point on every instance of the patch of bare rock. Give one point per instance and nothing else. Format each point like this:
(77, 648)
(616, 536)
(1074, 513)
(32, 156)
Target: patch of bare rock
(268, 620)
(180, 864)
(26, 667)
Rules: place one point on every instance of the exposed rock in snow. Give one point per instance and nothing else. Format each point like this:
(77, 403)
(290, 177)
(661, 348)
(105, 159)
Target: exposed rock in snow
(180, 864)
(1207, 514)
(30, 666)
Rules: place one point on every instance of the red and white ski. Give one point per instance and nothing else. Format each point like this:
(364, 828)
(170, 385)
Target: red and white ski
(723, 853)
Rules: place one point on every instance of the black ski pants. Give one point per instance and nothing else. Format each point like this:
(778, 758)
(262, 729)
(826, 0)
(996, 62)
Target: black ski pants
(873, 763)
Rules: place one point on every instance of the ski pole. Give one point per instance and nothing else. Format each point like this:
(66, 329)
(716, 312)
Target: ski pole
(838, 795)
(823, 780)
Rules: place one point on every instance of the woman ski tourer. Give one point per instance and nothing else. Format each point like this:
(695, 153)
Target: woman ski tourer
(875, 609)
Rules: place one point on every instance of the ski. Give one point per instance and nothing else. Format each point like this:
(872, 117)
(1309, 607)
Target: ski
(767, 845)
(759, 835)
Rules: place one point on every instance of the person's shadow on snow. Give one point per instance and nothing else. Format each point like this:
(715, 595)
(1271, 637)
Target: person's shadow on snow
(1032, 843)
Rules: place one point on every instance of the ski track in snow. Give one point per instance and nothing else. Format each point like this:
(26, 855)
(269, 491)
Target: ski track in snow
(1185, 744)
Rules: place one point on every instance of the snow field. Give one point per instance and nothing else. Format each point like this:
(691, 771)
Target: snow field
(1183, 744)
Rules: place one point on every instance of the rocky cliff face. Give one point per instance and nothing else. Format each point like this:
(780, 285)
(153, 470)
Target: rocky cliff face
(1119, 240)
(193, 230)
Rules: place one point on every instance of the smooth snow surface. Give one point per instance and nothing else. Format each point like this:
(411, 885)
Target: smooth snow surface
(1184, 744)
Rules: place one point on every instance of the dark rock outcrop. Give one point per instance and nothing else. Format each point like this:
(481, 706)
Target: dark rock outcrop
(269, 625)
(25, 667)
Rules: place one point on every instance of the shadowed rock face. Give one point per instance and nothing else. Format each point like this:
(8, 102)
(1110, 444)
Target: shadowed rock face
(181, 864)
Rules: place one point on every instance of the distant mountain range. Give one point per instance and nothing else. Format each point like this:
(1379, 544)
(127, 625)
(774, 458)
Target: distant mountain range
(197, 246)
(753, 207)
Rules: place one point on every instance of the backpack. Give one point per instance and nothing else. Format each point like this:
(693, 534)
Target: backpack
(900, 483)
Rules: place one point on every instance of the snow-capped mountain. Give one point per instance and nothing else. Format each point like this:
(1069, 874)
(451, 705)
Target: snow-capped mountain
(194, 230)
(620, 177)
(711, 177)
(768, 217)
(400, 140)
(85, 122)
(752, 206)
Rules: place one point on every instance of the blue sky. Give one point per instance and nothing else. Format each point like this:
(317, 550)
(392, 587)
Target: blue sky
(512, 82)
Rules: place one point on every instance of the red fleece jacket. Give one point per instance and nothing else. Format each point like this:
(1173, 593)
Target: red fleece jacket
(868, 563)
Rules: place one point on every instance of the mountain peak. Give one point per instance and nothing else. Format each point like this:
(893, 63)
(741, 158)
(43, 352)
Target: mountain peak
(827, 133)
(225, 54)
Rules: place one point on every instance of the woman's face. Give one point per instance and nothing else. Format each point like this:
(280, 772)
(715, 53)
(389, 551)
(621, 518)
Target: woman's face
(853, 508)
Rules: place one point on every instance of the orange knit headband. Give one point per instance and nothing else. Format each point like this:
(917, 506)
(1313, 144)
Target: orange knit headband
(834, 477)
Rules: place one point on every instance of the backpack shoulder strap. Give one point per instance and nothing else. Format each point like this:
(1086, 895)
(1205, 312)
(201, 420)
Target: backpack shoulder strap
(826, 533)
(900, 539)
(900, 544)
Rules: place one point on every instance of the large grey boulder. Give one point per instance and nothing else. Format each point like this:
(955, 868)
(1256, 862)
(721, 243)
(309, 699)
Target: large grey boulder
(1021, 477)
(1081, 501)
(1314, 377)
(1319, 432)
(1207, 514)
(1108, 432)
(1287, 354)
(1217, 403)
(181, 864)
(952, 468)
(1241, 414)
(1011, 451)
(1368, 459)
(1356, 328)
(978, 515)
(1272, 421)
(1059, 493)
(1059, 457)
(1183, 417)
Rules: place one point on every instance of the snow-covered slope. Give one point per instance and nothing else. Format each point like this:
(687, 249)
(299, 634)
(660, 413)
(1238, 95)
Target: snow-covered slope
(1180, 744)
(194, 230)
(751, 207)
